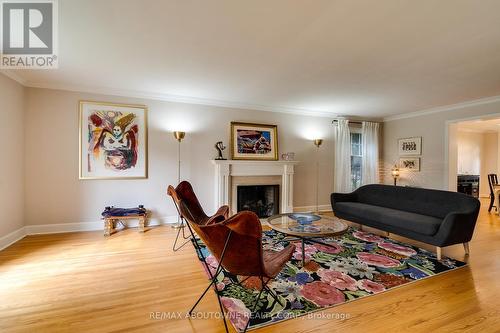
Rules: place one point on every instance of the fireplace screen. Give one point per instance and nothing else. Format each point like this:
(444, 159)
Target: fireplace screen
(263, 200)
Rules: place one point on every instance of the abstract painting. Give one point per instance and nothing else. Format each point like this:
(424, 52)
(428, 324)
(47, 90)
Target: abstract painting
(113, 141)
(254, 141)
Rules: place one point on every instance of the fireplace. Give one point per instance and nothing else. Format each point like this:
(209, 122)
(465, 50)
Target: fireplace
(263, 200)
(229, 175)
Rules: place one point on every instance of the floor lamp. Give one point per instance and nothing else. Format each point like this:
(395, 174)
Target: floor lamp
(317, 143)
(178, 135)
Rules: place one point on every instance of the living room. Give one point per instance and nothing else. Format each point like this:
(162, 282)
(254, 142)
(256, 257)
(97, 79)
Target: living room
(334, 135)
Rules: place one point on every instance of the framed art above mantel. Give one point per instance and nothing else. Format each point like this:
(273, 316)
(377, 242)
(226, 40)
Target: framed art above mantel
(254, 141)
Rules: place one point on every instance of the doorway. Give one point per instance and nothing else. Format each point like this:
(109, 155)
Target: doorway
(473, 154)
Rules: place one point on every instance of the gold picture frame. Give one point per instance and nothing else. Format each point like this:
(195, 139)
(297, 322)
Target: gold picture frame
(126, 136)
(251, 141)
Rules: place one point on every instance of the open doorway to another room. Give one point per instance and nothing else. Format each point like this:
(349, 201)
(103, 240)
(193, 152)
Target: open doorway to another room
(473, 155)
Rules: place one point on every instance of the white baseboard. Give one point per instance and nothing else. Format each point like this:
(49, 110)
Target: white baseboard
(91, 226)
(34, 229)
(321, 208)
(13, 237)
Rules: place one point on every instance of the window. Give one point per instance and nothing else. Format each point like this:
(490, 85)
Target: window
(356, 159)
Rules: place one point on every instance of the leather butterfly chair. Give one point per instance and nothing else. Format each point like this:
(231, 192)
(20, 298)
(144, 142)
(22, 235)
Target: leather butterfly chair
(492, 182)
(184, 192)
(236, 243)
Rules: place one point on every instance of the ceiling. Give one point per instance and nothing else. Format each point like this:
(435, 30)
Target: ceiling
(359, 58)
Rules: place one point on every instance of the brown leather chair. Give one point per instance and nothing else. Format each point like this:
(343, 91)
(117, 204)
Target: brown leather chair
(237, 245)
(184, 192)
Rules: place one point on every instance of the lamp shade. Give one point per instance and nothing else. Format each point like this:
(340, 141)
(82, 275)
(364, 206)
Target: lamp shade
(318, 142)
(179, 135)
(395, 171)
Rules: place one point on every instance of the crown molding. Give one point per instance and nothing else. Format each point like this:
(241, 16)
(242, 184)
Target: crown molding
(231, 104)
(179, 99)
(14, 76)
(476, 102)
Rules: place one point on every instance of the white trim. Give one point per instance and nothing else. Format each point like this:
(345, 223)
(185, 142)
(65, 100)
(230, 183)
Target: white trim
(20, 233)
(321, 208)
(14, 76)
(180, 99)
(225, 188)
(444, 108)
(63, 227)
(231, 104)
(92, 226)
(11, 238)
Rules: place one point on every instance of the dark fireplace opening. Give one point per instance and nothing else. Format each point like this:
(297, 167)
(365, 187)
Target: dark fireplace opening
(263, 200)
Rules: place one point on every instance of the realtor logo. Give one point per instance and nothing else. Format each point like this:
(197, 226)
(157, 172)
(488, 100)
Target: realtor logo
(29, 38)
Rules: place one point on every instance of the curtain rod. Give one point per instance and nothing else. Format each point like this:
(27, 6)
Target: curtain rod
(358, 122)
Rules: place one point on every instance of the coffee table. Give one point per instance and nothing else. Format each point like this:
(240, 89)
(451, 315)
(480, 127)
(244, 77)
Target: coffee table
(307, 226)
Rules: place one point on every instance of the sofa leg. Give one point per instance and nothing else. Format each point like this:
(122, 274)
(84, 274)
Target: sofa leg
(466, 248)
(438, 253)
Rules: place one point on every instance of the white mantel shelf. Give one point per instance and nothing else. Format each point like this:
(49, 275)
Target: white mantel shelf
(225, 169)
(280, 162)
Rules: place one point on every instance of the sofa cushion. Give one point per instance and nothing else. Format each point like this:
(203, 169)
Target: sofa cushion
(422, 224)
(415, 200)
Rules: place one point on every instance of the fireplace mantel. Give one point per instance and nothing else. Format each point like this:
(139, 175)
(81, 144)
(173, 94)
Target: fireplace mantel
(226, 169)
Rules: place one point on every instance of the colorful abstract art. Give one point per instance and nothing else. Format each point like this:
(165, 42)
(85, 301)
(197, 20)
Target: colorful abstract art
(113, 141)
(254, 141)
(354, 265)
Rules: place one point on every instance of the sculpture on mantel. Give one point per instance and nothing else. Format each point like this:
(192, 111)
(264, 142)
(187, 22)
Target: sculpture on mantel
(220, 147)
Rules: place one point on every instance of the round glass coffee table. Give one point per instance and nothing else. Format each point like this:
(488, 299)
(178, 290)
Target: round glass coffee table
(307, 226)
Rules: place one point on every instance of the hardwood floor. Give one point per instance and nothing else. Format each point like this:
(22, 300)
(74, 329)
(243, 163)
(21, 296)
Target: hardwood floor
(83, 282)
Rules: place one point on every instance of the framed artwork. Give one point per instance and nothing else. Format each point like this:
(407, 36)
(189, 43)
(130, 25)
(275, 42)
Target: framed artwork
(254, 141)
(113, 141)
(409, 163)
(410, 146)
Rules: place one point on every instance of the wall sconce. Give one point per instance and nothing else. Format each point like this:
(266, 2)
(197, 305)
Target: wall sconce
(395, 173)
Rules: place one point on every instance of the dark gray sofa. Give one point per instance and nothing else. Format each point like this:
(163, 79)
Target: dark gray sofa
(440, 218)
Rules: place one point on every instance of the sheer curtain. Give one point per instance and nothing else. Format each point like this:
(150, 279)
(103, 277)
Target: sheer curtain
(342, 163)
(370, 136)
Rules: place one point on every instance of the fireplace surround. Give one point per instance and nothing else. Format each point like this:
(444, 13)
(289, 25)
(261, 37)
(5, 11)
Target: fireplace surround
(229, 174)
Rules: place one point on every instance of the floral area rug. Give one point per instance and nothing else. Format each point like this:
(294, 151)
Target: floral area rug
(354, 265)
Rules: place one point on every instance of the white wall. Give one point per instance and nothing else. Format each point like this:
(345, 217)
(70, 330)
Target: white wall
(470, 152)
(433, 128)
(489, 161)
(12, 160)
(55, 195)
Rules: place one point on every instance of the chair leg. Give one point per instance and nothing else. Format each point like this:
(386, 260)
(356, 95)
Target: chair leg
(438, 253)
(256, 303)
(492, 201)
(273, 295)
(176, 248)
(213, 282)
(466, 248)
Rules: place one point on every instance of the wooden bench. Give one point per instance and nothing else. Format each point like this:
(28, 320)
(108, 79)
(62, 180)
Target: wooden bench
(110, 222)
